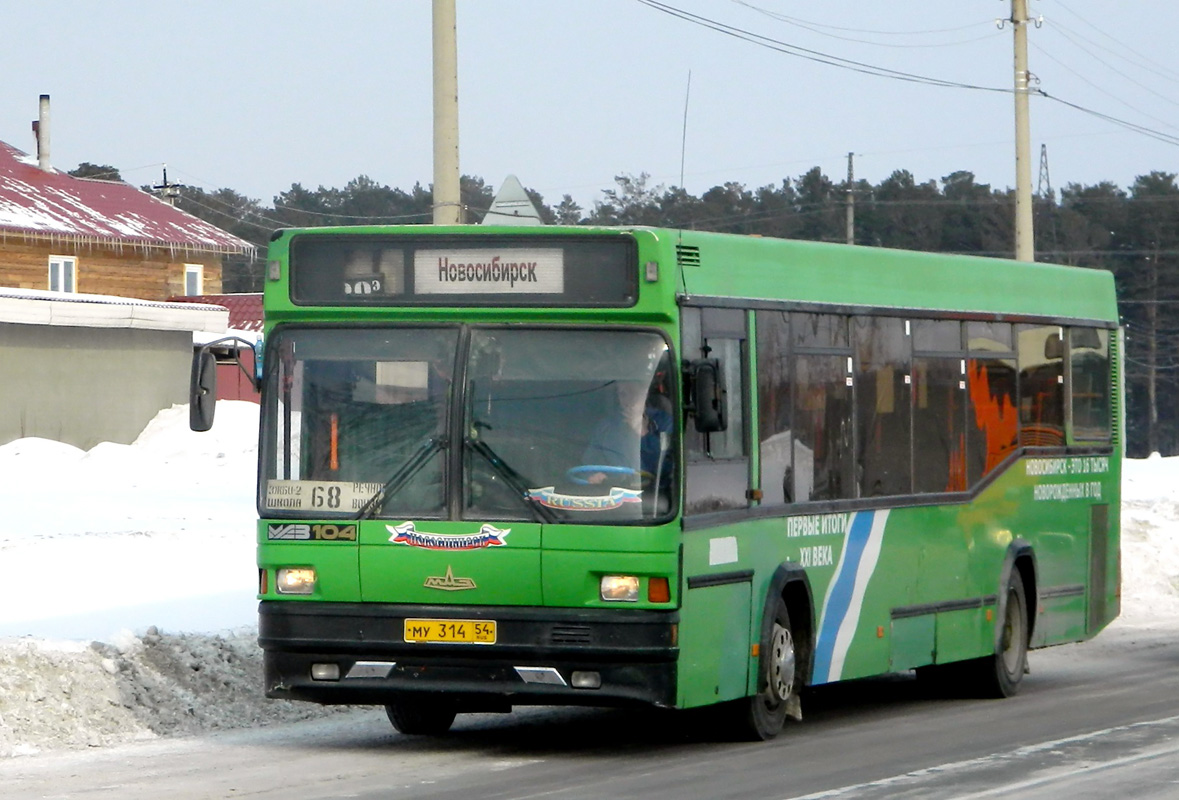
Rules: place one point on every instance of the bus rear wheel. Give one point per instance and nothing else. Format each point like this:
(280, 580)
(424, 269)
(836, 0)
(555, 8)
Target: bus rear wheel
(765, 713)
(1000, 675)
(421, 716)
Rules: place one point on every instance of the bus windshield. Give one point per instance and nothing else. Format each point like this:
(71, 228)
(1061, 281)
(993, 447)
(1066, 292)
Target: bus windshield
(504, 423)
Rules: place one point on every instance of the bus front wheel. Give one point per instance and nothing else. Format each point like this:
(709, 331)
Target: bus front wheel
(777, 674)
(420, 717)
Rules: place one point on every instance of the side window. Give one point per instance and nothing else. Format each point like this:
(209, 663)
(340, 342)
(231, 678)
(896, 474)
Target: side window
(1041, 385)
(883, 406)
(992, 422)
(1089, 384)
(62, 274)
(718, 463)
(939, 407)
(776, 443)
(822, 408)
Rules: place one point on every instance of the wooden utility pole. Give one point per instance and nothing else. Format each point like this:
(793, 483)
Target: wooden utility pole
(851, 201)
(448, 209)
(1025, 242)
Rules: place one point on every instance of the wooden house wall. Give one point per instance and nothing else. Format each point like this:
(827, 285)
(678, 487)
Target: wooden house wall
(147, 273)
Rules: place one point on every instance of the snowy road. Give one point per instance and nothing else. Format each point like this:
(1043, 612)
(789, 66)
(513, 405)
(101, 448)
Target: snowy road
(1093, 720)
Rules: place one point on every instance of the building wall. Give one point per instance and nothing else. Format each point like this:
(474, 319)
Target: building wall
(130, 271)
(233, 383)
(83, 386)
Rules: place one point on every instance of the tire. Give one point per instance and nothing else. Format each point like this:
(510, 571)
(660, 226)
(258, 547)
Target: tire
(421, 717)
(1001, 674)
(763, 715)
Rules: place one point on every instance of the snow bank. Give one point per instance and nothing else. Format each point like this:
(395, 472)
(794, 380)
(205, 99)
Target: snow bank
(128, 583)
(57, 695)
(1150, 543)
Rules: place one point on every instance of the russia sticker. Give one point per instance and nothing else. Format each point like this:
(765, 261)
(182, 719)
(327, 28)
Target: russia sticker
(408, 534)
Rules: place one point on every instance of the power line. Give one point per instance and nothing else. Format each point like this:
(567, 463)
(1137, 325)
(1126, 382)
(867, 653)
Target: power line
(819, 28)
(809, 54)
(1166, 138)
(1062, 31)
(1161, 69)
(883, 72)
(806, 23)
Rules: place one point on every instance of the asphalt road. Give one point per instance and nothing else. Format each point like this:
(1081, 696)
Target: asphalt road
(1096, 720)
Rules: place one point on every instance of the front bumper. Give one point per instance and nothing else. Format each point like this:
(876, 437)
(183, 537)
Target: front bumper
(537, 650)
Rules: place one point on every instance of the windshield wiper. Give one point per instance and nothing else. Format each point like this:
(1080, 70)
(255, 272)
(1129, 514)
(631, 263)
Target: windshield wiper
(401, 477)
(512, 478)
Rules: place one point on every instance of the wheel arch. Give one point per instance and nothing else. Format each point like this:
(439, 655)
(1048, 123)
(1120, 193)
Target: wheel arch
(1020, 561)
(791, 584)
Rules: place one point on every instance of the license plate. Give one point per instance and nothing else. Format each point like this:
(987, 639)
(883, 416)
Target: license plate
(459, 631)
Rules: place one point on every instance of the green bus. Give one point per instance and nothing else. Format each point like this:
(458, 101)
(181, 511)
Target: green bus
(507, 466)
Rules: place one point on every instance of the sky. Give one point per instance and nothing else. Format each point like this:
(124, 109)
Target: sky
(262, 94)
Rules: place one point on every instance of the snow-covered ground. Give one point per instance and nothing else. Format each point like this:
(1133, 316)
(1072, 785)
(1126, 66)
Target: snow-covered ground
(127, 583)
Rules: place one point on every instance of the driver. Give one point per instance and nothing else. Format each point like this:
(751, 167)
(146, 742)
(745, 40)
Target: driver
(630, 438)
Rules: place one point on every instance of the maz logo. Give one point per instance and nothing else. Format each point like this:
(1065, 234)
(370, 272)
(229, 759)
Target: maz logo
(448, 582)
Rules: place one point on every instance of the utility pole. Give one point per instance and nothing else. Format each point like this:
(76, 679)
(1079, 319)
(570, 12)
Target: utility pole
(851, 201)
(1025, 242)
(448, 209)
(168, 191)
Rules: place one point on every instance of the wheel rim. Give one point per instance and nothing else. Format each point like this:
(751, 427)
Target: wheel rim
(781, 676)
(1012, 636)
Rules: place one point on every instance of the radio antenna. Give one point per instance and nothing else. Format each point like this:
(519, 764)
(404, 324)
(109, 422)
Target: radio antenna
(684, 137)
(683, 154)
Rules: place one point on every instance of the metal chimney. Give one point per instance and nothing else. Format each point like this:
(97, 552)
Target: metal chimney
(41, 129)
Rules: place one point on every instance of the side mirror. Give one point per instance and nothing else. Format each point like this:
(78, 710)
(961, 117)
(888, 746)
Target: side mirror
(707, 395)
(202, 390)
(202, 383)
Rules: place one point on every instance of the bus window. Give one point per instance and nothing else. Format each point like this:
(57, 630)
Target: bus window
(822, 421)
(822, 412)
(992, 423)
(883, 418)
(718, 464)
(939, 336)
(989, 337)
(1089, 383)
(939, 407)
(819, 330)
(1041, 385)
(776, 441)
(580, 421)
(358, 407)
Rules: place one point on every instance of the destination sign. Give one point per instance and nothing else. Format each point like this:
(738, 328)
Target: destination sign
(319, 496)
(489, 271)
(579, 271)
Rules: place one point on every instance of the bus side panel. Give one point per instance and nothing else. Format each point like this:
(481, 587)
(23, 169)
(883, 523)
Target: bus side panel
(714, 644)
(727, 572)
(1066, 504)
(878, 555)
(1105, 584)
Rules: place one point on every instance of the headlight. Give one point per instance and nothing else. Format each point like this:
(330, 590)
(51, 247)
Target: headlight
(295, 580)
(619, 588)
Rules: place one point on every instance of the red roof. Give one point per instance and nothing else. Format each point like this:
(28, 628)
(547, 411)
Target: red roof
(245, 310)
(56, 205)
